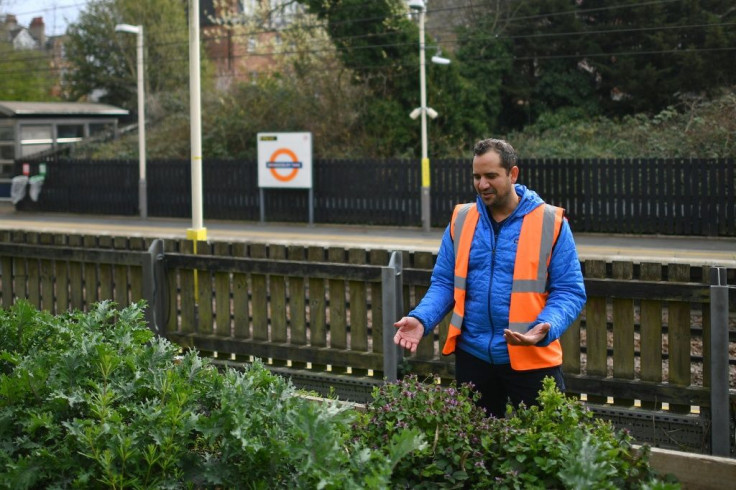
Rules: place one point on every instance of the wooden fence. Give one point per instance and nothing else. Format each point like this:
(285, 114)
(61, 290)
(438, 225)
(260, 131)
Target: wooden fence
(640, 351)
(664, 196)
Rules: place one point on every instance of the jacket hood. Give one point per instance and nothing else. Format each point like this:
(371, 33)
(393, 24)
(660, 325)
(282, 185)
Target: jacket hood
(529, 201)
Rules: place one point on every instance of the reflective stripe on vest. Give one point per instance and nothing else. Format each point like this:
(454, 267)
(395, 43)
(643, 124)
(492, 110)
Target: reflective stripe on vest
(464, 219)
(539, 232)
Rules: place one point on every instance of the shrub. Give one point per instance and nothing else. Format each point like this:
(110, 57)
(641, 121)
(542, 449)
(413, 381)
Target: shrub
(452, 426)
(557, 444)
(95, 400)
(696, 127)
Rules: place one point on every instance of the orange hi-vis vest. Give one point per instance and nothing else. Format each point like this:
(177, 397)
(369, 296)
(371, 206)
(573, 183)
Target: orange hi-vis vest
(539, 231)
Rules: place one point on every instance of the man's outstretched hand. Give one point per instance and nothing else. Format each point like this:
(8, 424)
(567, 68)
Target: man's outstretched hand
(531, 337)
(410, 332)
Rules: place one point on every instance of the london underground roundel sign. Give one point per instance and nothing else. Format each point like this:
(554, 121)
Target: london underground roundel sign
(285, 160)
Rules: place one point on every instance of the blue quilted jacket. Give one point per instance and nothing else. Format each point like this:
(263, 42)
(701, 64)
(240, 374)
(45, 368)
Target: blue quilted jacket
(488, 289)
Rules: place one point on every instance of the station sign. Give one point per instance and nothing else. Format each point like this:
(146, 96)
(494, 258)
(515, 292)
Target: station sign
(285, 160)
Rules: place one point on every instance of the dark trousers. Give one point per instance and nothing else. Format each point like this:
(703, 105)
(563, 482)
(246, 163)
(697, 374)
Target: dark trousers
(498, 383)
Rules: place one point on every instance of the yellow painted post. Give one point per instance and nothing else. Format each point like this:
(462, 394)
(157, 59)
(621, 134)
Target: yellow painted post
(425, 173)
(198, 235)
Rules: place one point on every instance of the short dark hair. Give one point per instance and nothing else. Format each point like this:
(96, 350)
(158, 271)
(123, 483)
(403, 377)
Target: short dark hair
(502, 147)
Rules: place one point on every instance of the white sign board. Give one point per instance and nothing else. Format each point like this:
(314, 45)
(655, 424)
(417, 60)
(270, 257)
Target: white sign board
(285, 160)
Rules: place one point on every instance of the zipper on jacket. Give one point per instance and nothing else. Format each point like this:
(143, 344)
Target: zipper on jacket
(494, 242)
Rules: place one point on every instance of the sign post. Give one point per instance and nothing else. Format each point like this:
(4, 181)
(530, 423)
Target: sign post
(285, 162)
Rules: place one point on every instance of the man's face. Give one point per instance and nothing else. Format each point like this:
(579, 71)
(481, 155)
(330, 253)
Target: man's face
(492, 182)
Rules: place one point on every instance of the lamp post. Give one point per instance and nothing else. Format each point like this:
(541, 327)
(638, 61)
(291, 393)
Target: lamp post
(424, 111)
(197, 232)
(142, 186)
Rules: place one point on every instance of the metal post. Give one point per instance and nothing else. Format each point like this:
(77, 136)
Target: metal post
(391, 285)
(423, 102)
(198, 232)
(311, 206)
(720, 416)
(262, 207)
(153, 286)
(398, 263)
(142, 185)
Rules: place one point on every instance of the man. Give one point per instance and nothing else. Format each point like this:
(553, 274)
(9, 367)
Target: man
(508, 268)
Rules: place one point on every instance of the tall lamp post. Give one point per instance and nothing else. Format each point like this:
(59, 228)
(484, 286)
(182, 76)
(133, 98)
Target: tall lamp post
(197, 232)
(142, 186)
(424, 111)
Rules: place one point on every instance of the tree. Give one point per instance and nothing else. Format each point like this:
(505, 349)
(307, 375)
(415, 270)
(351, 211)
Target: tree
(485, 62)
(610, 57)
(105, 61)
(653, 52)
(379, 43)
(513, 50)
(27, 74)
(303, 86)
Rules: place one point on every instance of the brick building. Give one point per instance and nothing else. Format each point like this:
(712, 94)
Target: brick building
(240, 36)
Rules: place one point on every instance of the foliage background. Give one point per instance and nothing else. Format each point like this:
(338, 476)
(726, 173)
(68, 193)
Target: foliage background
(575, 78)
(698, 127)
(104, 62)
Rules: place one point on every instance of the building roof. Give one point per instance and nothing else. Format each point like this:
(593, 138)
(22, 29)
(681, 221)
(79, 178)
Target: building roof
(11, 109)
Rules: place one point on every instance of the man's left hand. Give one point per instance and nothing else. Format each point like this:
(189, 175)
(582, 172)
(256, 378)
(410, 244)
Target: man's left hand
(531, 337)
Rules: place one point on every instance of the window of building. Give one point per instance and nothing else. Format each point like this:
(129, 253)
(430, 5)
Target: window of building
(36, 134)
(69, 133)
(282, 12)
(35, 138)
(7, 134)
(7, 151)
(249, 6)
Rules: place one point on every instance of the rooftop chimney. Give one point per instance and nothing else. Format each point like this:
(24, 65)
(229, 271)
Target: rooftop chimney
(11, 22)
(38, 31)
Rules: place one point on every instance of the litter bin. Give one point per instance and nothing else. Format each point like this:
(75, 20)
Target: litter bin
(36, 182)
(18, 188)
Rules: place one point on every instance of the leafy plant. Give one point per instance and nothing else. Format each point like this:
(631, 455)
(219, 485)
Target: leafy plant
(557, 444)
(451, 423)
(95, 400)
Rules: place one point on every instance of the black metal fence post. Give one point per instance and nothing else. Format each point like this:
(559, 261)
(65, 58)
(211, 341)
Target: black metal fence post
(720, 416)
(153, 286)
(393, 304)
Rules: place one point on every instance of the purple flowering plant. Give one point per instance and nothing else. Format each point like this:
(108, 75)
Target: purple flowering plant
(557, 444)
(450, 421)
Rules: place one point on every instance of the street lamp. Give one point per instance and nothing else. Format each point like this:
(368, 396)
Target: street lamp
(142, 187)
(424, 111)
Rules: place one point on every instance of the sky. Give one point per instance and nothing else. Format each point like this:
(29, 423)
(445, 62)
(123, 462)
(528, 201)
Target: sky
(56, 13)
